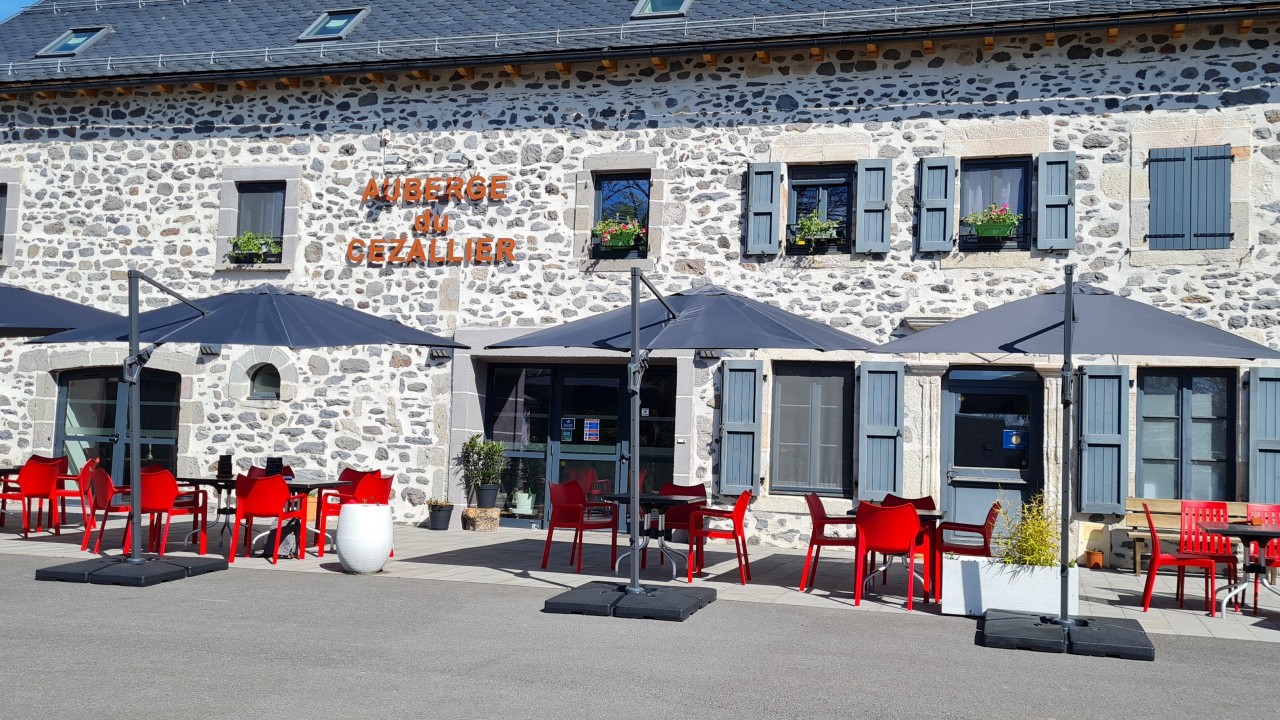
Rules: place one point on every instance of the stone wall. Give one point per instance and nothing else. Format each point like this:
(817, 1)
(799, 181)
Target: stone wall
(133, 181)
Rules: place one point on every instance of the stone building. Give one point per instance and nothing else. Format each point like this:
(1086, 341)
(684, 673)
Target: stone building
(450, 169)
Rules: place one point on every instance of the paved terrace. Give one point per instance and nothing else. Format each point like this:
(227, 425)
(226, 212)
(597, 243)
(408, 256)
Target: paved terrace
(512, 557)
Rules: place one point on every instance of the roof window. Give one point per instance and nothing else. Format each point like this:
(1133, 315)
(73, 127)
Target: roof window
(73, 41)
(334, 24)
(659, 9)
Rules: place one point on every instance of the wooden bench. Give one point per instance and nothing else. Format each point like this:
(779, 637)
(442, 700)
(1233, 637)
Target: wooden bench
(1167, 515)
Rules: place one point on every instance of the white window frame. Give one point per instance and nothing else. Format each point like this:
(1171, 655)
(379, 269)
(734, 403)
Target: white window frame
(307, 36)
(638, 14)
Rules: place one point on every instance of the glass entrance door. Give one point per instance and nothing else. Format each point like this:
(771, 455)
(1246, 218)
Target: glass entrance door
(93, 421)
(991, 441)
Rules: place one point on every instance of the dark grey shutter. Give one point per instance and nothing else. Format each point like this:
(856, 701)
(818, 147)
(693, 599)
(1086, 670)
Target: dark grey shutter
(741, 407)
(875, 193)
(764, 208)
(935, 201)
(1104, 438)
(880, 410)
(1056, 201)
(1211, 197)
(1169, 173)
(1264, 435)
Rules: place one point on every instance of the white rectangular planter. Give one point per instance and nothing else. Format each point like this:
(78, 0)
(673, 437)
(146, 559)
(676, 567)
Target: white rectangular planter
(973, 585)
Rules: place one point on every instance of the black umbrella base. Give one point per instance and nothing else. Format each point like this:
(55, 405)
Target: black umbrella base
(117, 571)
(653, 603)
(1105, 637)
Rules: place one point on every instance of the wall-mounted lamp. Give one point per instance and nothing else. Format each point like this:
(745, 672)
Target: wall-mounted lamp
(708, 354)
(440, 353)
(211, 350)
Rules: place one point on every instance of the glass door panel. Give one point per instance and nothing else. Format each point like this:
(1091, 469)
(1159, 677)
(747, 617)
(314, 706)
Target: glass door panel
(657, 428)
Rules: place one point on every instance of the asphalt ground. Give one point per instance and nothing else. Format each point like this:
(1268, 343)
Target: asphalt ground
(253, 644)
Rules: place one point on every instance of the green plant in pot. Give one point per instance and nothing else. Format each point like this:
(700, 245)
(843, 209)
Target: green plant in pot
(811, 229)
(620, 233)
(482, 464)
(1031, 538)
(251, 248)
(992, 221)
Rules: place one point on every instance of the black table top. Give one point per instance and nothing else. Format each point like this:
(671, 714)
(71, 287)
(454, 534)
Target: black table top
(294, 485)
(924, 514)
(1244, 531)
(655, 500)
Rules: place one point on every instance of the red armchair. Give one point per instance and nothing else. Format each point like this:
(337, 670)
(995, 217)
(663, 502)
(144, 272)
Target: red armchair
(1180, 560)
(1194, 541)
(268, 497)
(570, 510)
(819, 538)
(699, 534)
(156, 484)
(980, 549)
(371, 487)
(924, 542)
(1269, 556)
(37, 480)
(892, 531)
(106, 497)
(678, 516)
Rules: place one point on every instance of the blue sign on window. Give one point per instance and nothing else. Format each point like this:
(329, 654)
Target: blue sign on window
(567, 423)
(1015, 439)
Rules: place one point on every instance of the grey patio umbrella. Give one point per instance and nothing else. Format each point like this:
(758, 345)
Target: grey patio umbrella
(264, 315)
(1076, 318)
(709, 317)
(26, 313)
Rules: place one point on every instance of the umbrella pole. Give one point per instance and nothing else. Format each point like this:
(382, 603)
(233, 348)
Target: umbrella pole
(132, 375)
(1068, 322)
(634, 370)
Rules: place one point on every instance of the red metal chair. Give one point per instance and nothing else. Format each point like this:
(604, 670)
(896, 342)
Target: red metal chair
(1194, 541)
(570, 509)
(1182, 561)
(1269, 557)
(37, 480)
(190, 502)
(103, 494)
(268, 497)
(677, 516)
(891, 531)
(372, 487)
(982, 549)
(699, 534)
(819, 538)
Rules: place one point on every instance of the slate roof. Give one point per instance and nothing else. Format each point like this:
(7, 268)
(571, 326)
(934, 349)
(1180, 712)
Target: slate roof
(222, 39)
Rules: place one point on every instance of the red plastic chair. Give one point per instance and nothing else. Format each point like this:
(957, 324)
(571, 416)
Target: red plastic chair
(924, 543)
(1270, 556)
(819, 538)
(268, 497)
(892, 530)
(37, 480)
(372, 487)
(190, 502)
(677, 516)
(1180, 560)
(983, 549)
(156, 498)
(341, 494)
(102, 497)
(699, 534)
(1194, 541)
(570, 509)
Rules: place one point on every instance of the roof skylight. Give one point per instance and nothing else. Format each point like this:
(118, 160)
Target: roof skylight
(73, 41)
(660, 8)
(334, 24)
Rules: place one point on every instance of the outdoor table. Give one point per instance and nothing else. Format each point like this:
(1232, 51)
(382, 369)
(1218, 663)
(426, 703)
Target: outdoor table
(929, 524)
(225, 486)
(654, 503)
(228, 484)
(1246, 534)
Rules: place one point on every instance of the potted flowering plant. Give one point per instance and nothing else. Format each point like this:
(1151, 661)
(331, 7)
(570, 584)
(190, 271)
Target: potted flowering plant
(812, 229)
(439, 511)
(992, 221)
(620, 233)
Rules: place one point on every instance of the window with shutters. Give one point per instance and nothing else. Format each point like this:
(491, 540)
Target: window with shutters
(1186, 434)
(819, 208)
(829, 208)
(812, 429)
(621, 226)
(262, 201)
(1190, 198)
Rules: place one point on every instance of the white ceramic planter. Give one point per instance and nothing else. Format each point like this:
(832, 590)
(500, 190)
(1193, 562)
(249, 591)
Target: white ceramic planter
(523, 503)
(973, 585)
(364, 537)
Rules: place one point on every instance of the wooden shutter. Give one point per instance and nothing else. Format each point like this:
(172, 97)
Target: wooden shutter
(1211, 197)
(741, 409)
(875, 194)
(1104, 438)
(1264, 435)
(1169, 173)
(880, 409)
(1056, 201)
(764, 208)
(935, 201)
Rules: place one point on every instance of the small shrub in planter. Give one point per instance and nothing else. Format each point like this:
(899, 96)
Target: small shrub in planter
(438, 514)
(482, 464)
(250, 248)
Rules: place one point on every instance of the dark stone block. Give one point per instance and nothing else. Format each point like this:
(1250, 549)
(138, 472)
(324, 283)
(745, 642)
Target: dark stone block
(596, 598)
(664, 603)
(1020, 631)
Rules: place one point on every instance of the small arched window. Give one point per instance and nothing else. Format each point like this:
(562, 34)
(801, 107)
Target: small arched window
(264, 383)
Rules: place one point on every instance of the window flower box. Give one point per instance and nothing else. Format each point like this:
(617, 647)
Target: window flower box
(798, 239)
(994, 229)
(992, 221)
(256, 258)
(620, 234)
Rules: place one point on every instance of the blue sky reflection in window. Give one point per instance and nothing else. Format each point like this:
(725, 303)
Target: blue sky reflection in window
(660, 8)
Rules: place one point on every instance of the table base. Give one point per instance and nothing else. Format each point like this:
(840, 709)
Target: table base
(1260, 571)
(663, 548)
